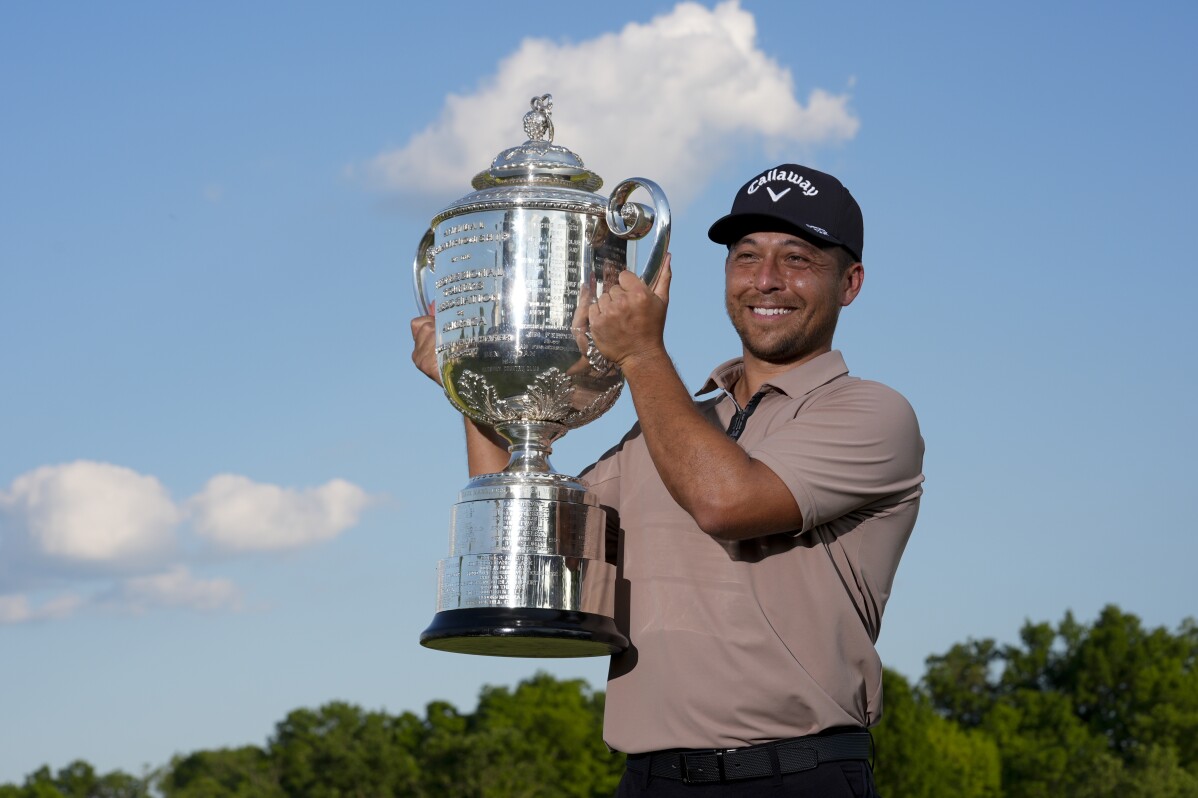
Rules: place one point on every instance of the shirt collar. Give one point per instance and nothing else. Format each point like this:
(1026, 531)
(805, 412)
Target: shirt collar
(798, 381)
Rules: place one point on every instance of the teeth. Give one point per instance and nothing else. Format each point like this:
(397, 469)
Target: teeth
(771, 311)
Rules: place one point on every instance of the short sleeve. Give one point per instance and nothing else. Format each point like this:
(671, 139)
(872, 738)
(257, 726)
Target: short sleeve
(602, 478)
(855, 445)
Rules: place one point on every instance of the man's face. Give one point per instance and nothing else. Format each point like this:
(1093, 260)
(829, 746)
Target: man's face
(784, 295)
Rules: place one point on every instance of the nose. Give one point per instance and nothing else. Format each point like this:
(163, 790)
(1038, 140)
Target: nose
(767, 276)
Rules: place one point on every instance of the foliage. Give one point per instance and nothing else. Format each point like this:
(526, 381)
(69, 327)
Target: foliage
(919, 754)
(77, 780)
(229, 772)
(1104, 710)
(1098, 711)
(543, 739)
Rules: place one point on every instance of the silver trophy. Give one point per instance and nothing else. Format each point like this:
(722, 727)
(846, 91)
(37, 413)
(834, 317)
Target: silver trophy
(512, 268)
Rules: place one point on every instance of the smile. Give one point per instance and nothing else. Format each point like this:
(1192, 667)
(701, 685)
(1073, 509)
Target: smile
(771, 311)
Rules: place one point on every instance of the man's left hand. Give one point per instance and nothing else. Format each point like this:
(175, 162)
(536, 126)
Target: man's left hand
(629, 319)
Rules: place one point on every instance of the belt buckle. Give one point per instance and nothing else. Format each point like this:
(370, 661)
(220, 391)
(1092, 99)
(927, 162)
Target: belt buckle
(695, 770)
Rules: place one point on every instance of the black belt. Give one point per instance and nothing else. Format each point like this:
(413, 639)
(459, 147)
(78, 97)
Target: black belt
(756, 761)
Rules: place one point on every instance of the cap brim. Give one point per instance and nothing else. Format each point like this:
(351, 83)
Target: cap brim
(735, 226)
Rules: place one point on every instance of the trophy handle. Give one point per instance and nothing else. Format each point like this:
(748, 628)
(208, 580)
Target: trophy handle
(632, 220)
(419, 265)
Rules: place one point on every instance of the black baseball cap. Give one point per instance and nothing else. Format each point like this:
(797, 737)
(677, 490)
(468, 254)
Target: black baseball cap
(794, 199)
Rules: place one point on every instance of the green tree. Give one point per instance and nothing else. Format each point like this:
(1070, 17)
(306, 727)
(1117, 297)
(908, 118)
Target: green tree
(558, 730)
(961, 682)
(1047, 752)
(1157, 773)
(1080, 710)
(245, 772)
(1136, 687)
(920, 754)
(543, 739)
(40, 784)
(77, 780)
(80, 780)
(1086, 711)
(340, 751)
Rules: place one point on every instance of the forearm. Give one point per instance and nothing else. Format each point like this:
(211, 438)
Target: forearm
(486, 451)
(729, 494)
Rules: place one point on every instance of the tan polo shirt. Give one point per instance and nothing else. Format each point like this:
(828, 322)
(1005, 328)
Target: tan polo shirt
(738, 643)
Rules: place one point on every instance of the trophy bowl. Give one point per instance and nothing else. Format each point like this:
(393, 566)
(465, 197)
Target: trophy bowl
(512, 269)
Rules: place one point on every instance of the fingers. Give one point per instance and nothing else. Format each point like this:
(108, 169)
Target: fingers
(424, 336)
(662, 287)
(629, 282)
(628, 290)
(586, 292)
(424, 329)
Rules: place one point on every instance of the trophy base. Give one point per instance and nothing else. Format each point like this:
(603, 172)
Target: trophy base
(523, 632)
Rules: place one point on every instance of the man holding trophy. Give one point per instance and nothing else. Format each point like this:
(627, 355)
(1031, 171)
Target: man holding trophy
(760, 528)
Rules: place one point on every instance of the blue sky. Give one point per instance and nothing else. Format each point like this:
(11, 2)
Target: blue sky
(224, 490)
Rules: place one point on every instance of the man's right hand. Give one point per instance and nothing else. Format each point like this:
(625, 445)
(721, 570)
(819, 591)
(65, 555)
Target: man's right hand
(486, 452)
(424, 353)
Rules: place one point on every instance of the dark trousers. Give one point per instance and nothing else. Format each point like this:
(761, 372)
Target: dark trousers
(847, 779)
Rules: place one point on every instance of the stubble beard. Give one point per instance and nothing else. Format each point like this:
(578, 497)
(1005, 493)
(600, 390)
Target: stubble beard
(786, 346)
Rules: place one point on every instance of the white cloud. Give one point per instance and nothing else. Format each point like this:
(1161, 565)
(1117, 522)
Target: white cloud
(664, 100)
(87, 512)
(239, 514)
(17, 608)
(103, 536)
(177, 588)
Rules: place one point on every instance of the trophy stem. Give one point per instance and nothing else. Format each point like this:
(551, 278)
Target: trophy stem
(531, 445)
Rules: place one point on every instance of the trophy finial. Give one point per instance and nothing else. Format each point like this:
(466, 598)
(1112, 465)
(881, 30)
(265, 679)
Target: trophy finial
(537, 124)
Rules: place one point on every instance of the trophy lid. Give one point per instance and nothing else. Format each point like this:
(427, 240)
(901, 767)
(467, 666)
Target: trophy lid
(538, 160)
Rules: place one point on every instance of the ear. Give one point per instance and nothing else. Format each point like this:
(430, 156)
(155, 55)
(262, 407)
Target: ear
(850, 283)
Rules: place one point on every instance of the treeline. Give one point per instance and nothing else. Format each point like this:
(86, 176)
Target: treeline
(1083, 711)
